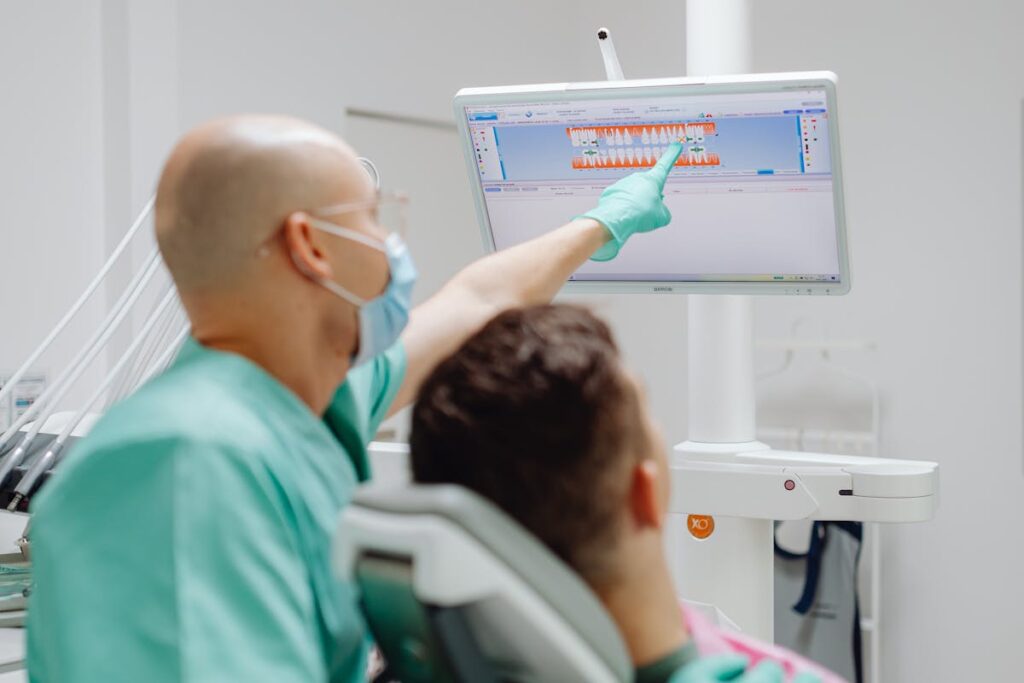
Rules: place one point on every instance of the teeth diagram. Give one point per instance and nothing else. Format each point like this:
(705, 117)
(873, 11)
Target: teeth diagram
(640, 146)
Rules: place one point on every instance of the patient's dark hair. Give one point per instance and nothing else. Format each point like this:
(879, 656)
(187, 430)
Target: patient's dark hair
(535, 413)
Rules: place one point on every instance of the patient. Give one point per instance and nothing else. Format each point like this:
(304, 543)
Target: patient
(537, 413)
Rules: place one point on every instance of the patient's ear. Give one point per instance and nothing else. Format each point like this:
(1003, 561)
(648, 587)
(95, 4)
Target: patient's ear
(645, 496)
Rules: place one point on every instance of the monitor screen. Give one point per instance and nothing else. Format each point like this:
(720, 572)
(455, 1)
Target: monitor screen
(753, 196)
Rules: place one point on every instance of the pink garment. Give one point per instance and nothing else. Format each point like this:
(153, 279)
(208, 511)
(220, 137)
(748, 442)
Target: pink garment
(712, 640)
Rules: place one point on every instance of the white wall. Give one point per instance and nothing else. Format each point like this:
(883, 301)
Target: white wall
(936, 245)
(51, 173)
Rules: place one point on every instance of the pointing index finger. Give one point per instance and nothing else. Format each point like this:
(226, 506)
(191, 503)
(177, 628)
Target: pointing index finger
(661, 169)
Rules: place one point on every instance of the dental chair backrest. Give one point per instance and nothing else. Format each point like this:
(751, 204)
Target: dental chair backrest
(454, 590)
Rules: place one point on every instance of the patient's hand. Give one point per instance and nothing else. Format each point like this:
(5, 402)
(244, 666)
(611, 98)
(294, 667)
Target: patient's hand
(734, 668)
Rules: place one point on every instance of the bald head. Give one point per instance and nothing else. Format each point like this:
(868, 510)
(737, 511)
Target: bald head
(230, 183)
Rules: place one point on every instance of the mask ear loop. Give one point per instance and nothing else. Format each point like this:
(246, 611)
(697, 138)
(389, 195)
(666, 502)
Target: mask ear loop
(347, 233)
(330, 285)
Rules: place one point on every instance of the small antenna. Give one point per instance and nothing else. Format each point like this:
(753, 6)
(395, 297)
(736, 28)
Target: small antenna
(612, 69)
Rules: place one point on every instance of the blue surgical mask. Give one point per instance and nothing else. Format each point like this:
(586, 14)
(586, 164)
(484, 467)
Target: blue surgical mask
(381, 319)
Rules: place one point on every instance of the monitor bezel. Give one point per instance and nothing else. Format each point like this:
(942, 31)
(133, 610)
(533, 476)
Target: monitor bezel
(746, 83)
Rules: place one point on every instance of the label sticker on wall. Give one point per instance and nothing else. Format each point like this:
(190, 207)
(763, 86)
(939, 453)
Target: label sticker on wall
(700, 526)
(24, 394)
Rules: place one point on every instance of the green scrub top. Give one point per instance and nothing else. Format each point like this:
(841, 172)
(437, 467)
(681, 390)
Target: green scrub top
(188, 537)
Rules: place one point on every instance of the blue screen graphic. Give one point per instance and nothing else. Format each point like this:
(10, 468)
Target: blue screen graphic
(545, 152)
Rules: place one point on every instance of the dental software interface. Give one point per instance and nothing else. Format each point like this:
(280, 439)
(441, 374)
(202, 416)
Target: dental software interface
(751, 195)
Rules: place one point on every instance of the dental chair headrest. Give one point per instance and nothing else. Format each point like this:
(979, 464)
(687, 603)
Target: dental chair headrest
(479, 580)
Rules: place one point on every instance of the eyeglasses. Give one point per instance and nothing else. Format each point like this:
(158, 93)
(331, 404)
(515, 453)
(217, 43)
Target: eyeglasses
(388, 209)
(371, 170)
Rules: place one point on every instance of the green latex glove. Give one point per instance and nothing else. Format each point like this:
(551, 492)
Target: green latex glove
(634, 204)
(733, 669)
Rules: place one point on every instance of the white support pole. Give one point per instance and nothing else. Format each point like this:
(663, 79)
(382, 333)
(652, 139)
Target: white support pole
(721, 369)
(733, 567)
(719, 37)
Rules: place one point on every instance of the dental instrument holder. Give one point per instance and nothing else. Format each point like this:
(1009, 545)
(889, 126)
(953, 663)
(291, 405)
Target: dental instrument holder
(721, 471)
(39, 447)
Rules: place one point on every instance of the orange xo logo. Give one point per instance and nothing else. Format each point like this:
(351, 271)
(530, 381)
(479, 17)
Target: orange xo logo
(700, 526)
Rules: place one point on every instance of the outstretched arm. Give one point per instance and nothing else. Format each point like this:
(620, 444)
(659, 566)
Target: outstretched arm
(531, 272)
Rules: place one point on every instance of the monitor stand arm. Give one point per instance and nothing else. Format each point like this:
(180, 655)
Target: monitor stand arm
(730, 564)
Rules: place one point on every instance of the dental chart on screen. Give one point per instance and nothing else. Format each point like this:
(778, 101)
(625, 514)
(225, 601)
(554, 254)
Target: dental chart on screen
(754, 195)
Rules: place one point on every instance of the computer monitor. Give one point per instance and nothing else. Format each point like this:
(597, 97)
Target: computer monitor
(756, 196)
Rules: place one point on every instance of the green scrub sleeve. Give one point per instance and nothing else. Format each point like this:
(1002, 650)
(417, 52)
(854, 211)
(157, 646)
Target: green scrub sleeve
(362, 402)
